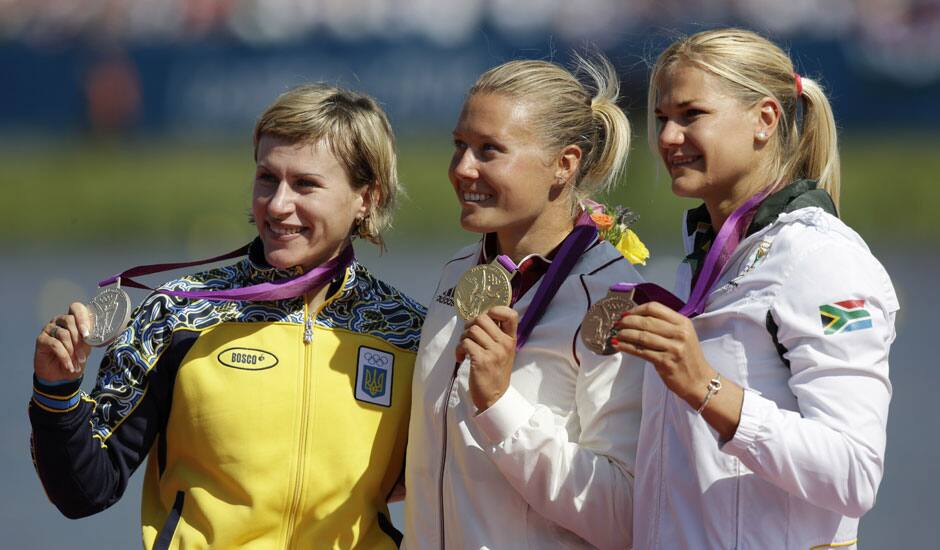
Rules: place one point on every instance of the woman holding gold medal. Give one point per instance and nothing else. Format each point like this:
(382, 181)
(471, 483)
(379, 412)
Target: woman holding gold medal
(521, 436)
(271, 396)
(764, 414)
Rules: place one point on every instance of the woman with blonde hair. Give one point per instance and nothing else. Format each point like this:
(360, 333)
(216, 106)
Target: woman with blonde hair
(270, 396)
(520, 436)
(766, 394)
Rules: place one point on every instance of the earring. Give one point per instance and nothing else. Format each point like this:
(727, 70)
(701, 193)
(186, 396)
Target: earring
(559, 180)
(761, 135)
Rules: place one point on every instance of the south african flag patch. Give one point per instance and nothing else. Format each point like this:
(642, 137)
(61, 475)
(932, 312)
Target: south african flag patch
(844, 316)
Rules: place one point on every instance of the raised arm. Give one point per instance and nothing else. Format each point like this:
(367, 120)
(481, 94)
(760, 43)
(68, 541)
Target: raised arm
(85, 447)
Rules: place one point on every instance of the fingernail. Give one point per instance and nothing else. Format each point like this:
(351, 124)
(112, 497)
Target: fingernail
(81, 358)
(625, 314)
(85, 333)
(614, 341)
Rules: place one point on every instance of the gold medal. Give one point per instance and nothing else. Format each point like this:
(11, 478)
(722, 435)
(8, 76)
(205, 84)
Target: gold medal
(481, 288)
(598, 324)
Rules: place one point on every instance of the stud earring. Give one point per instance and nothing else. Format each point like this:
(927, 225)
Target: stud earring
(761, 135)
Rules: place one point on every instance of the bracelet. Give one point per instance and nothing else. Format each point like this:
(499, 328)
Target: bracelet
(713, 386)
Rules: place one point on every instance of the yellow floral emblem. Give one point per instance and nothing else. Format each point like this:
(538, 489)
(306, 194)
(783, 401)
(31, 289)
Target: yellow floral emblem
(615, 229)
(632, 248)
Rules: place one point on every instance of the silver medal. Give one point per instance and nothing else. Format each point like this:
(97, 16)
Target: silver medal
(598, 324)
(111, 310)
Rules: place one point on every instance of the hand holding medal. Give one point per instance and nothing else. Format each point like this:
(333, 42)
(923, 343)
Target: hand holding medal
(482, 298)
(485, 284)
(63, 346)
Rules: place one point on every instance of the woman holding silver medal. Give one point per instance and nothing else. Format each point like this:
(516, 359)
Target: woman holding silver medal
(764, 414)
(520, 436)
(271, 396)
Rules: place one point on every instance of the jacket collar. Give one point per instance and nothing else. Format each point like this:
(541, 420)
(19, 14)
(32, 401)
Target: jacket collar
(799, 194)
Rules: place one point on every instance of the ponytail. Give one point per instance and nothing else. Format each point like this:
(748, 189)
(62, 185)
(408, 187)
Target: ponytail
(608, 159)
(817, 152)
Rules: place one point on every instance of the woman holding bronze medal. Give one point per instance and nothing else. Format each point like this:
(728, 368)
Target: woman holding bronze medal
(271, 396)
(766, 395)
(520, 435)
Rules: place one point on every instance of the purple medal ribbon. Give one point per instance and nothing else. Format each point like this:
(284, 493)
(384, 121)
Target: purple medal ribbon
(718, 255)
(275, 290)
(507, 263)
(574, 245)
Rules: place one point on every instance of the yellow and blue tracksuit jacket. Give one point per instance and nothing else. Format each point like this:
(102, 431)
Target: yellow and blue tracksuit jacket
(257, 436)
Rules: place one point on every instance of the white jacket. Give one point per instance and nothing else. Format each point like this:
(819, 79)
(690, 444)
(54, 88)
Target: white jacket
(808, 455)
(550, 464)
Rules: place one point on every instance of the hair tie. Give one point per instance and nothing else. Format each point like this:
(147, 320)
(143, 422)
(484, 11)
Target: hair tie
(799, 84)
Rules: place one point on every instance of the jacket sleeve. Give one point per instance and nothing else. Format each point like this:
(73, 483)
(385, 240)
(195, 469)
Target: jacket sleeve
(835, 317)
(85, 447)
(584, 484)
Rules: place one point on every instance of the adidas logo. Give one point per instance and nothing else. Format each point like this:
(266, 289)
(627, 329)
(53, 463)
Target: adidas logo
(446, 297)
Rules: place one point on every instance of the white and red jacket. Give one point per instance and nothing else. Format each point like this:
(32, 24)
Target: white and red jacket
(550, 464)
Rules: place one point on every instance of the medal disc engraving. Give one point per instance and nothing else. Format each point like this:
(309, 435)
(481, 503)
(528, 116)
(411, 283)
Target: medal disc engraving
(111, 309)
(598, 324)
(480, 288)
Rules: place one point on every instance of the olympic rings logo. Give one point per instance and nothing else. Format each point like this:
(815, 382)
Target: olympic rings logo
(375, 359)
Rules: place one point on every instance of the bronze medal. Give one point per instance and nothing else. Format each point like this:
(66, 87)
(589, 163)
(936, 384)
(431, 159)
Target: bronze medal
(598, 324)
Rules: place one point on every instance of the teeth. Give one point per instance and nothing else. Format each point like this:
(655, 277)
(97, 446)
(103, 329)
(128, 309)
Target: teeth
(475, 197)
(282, 231)
(678, 161)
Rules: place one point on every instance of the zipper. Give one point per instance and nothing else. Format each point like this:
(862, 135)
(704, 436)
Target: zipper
(302, 438)
(450, 390)
(308, 329)
(305, 404)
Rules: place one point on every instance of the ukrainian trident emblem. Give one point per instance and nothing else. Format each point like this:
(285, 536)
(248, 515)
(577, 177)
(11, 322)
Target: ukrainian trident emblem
(373, 381)
(374, 376)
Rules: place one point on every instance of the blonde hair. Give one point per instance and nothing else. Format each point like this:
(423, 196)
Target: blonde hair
(752, 68)
(566, 112)
(359, 136)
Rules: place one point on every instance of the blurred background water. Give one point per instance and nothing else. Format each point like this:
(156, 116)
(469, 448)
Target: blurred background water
(125, 139)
